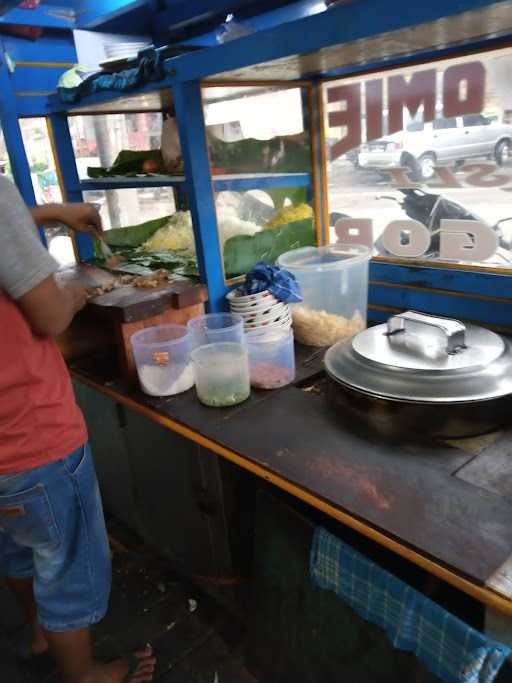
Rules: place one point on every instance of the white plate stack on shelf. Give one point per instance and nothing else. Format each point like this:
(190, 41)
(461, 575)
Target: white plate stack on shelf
(261, 311)
(124, 50)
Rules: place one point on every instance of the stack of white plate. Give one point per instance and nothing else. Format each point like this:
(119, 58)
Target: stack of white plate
(260, 311)
(124, 50)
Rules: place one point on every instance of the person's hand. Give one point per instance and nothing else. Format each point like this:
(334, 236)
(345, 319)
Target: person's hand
(78, 217)
(81, 218)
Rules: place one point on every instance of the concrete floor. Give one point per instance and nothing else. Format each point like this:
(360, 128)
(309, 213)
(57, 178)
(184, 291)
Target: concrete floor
(194, 642)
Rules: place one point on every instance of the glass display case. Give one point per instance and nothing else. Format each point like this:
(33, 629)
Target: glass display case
(415, 149)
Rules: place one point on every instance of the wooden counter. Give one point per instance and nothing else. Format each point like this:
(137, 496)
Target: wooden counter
(445, 508)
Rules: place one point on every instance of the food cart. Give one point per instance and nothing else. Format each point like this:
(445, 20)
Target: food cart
(186, 476)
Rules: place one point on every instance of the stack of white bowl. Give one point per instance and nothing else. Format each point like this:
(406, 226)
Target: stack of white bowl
(124, 50)
(260, 311)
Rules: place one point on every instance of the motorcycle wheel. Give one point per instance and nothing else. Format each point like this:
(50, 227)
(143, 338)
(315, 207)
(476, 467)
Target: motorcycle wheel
(503, 152)
(426, 164)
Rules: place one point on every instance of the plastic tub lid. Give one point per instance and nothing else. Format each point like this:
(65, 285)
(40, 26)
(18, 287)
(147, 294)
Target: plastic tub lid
(324, 258)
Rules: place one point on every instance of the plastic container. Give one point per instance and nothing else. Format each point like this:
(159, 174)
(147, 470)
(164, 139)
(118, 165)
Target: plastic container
(215, 328)
(271, 358)
(334, 287)
(222, 374)
(162, 356)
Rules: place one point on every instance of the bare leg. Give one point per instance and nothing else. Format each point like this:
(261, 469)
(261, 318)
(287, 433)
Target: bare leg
(73, 653)
(23, 590)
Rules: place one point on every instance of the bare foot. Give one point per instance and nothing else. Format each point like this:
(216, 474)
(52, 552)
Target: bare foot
(116, 672)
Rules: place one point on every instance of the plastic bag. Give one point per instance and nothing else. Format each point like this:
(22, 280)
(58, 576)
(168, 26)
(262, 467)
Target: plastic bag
(170, 147)
(231, 30)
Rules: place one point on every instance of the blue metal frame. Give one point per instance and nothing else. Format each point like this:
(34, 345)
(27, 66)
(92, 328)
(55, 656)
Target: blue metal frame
(189, 114)
(345, 23)
(234, 183)
(94, 13)
(44, 16)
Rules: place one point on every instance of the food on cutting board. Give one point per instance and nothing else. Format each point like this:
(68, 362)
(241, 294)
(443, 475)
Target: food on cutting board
(290, 214)
(152, 281)
(156, 279)
(320, 328)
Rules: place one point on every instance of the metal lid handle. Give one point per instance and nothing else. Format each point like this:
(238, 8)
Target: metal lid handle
(454, 330)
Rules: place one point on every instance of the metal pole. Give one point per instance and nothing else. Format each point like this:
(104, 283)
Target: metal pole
(194, 149)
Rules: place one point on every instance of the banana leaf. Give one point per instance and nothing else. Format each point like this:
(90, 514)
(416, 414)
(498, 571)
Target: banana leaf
(134, 235)
(242, 252)
(297, 195)
(127, 163)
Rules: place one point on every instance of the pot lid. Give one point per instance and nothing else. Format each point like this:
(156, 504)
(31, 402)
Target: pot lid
(416, 357)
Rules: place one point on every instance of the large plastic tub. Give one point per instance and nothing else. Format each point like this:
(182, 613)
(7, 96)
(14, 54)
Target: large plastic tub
(334, 286)
(162, 356)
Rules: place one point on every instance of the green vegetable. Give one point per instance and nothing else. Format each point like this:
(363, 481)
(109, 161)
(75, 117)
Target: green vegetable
(297, 195)
(134, 235)
(242, 252)
(127, 163)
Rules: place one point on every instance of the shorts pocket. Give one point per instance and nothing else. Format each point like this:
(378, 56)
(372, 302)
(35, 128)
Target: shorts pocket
(74, 462)
(27, 517)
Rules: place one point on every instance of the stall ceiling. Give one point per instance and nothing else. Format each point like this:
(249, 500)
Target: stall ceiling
(492, 21)
(178, 19)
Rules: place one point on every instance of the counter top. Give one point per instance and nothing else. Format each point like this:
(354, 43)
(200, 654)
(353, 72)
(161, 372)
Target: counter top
(446, 508)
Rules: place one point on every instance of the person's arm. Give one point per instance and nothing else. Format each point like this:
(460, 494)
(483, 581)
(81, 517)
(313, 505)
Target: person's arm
(80, 217)
(50, 308)
(27, 269)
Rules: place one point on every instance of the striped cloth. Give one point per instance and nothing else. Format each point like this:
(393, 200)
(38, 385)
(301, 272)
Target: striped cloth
(448, 647)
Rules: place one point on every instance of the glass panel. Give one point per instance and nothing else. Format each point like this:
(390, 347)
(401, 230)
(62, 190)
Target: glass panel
(97, 140)
(248, 145)
(5, 163)
(45, 183)
(120, 208)
(429, 143)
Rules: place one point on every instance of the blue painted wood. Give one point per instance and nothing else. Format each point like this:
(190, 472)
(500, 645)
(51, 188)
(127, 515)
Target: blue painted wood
(14, 139)
(106, 98)
(94, 13)
(447, 304)
(51, 47)
(467, 282)
(189, 114)
(338, 25)
(44, 16)
(7, 5)
(36, 79)
(225, 182)
(66, 161)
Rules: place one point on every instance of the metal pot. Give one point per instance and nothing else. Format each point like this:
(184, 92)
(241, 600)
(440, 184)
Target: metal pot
(424, 375)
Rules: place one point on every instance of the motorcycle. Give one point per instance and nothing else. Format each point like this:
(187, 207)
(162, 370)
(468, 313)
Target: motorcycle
(430, 209)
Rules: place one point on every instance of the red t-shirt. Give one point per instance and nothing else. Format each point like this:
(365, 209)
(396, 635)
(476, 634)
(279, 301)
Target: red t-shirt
(39, 419)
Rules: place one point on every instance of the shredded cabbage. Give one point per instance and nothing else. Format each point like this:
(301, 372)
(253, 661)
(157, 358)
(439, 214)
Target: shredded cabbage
(178, 234)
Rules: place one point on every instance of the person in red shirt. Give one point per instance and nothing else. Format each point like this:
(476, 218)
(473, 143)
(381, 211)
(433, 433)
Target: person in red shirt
(53, 542)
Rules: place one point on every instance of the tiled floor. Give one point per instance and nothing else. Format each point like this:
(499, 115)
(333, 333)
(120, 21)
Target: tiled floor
(195, 642)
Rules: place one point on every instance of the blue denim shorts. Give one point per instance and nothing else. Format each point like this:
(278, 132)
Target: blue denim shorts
(52, 529)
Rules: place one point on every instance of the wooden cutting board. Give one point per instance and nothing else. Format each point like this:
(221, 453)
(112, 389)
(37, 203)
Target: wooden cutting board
(129, 304)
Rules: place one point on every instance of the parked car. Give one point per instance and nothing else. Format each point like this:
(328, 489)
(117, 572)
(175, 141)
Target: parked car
(443, 141)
